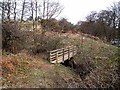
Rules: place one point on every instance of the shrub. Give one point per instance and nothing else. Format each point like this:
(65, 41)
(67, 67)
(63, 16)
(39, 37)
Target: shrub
(12, 38)
(46, 43)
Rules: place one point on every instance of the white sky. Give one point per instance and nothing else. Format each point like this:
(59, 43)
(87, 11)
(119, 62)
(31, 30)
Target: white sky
(77, 10)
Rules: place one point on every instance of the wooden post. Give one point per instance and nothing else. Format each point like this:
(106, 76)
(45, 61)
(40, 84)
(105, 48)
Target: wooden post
(56, 57)
(63, 54)
(50, 57)
(72, 51)
(68, 53)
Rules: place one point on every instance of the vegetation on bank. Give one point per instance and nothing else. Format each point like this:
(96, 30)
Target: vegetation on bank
(27, 40)
(96, 62)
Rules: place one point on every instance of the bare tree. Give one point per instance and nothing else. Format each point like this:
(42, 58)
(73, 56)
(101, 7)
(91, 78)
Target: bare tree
(44, 5)
(116, 17)
(115, 8)
(3, 10)
(23, 8)
(32, 12)
(15, 5)
(55, 10)
(36, 15)
(8, 9)
(49, 10)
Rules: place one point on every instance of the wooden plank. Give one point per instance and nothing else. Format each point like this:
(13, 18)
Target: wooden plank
(61, 49)
(60, 59)
(52, 54)
(55, 50)
(60, 55)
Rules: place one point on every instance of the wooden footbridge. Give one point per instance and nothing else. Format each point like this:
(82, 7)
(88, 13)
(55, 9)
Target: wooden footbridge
(63, 54)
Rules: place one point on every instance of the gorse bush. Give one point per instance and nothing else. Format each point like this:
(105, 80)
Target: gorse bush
(12, 37)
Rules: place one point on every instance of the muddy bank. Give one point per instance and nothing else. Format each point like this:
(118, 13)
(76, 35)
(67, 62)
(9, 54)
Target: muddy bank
(81, 69)
(92, 75)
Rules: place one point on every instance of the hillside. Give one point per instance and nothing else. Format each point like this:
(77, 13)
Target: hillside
(36, 33)
(96, 66)
(36, 73)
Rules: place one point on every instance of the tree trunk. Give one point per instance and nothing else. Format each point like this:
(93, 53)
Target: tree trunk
(3, 11)
(15, 4)
(36, 19)
(44, 9)
(23, 8)
(32, 10)
(8, 10)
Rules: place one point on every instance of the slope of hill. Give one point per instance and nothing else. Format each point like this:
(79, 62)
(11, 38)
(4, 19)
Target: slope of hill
(24, 71)
(96, 66)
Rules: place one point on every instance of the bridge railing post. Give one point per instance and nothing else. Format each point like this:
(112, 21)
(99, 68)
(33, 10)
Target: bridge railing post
(63, 54)
(56, 57)
(68, 53)
(73, 51)
(50, 57)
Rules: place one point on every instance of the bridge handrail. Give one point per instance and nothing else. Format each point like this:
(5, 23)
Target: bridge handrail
(70, 51)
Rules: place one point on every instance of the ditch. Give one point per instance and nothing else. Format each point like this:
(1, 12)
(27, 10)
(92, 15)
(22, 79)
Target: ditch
(81, 69)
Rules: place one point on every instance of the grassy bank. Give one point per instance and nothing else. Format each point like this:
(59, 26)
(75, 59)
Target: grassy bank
(25, 70)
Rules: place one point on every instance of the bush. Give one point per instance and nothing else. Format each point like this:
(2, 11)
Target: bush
(43, 44)
(12, 38)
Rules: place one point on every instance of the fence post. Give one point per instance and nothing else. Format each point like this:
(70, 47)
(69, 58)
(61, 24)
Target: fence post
(63, 54)
(56, 57)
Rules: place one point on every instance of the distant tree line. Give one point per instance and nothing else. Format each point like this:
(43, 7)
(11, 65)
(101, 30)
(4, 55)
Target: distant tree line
(104, 24)
(34, 10)
(14, 13)
(62, 25)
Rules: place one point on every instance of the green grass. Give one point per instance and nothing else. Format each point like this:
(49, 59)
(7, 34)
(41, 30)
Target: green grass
(91, 48)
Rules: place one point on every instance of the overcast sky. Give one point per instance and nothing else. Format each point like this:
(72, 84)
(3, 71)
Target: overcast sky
(77, 10)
